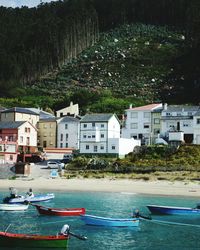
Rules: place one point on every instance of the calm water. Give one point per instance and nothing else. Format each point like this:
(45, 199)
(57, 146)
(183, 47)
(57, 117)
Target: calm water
(149, 235)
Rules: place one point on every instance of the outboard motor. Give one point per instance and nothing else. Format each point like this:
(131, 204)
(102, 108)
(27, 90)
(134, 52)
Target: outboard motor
(65, 230)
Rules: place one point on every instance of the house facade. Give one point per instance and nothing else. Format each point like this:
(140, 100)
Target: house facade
(47, 132)
(180, 118)
(73, 109)
(95, 132)
(68, 132)
(20, 114)
(138, 122)
(16, 138)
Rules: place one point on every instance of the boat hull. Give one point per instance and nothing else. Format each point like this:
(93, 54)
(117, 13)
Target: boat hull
(32, 241)
(169, 210)
(60, 211)
(36, 198)
(13, 207)
(110, 222)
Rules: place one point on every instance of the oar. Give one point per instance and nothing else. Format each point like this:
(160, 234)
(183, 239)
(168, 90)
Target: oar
(78, 236)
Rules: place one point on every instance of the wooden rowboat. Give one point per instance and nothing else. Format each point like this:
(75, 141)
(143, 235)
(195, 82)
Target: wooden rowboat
(155, 209)
(33, 241)
(13, 207)
(33, 198)
(59, 211)
(111, 222)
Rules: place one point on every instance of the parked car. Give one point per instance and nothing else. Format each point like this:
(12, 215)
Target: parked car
(54, 164)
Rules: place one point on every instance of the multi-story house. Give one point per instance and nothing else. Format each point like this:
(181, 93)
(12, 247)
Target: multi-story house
(155, 124)
(68, 132)
(138, 122)
(182, 119)
(17, 140)
(47, 132)
(196, 126)
(100, 134)
(20, 114)
(73, 109)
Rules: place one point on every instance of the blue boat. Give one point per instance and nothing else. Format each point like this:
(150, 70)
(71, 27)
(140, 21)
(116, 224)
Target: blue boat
(155, 209)
(110, 222)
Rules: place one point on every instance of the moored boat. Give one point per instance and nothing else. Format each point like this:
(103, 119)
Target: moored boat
(59, 211)
(33, 241)
(14, 198)
(170, 210)
(13, 207)
(111, 222)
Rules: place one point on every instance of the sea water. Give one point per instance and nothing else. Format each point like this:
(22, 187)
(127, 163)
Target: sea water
(182, 232)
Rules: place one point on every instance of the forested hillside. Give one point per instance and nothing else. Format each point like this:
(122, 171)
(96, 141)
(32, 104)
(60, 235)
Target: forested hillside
(144, 50)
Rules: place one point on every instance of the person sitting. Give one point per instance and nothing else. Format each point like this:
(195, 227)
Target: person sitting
(30, 193)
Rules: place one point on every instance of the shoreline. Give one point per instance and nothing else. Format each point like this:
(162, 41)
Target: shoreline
(163, 188)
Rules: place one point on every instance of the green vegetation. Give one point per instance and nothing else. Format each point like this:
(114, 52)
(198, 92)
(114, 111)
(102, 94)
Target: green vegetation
(148, 163)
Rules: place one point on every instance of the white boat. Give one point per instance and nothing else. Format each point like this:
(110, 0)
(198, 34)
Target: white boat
(14, 198)
(13, 207)
(33, 198)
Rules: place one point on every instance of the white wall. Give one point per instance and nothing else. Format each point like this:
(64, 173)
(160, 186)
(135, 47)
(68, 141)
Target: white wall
(73, 135)
(32, 135)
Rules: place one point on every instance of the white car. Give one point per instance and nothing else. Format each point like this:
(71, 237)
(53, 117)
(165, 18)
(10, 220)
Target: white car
(53, 164)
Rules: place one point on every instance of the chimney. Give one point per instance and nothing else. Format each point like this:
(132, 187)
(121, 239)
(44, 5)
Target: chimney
(165, 106)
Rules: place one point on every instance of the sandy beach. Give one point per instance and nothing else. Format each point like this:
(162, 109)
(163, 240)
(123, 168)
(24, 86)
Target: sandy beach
(105, 185)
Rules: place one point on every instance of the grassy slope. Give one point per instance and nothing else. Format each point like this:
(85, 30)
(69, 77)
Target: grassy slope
(131, 60)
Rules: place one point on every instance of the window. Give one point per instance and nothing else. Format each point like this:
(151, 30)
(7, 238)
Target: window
(168, 114)
(93, 124)
(102, 125)
(156, 121)
(101, 147)
(66, 126)
(93, 136)
(102, 135)
(178, 114)
(29, 130)
(186, 124)
(61, 145)
(133, 136)
(95, 148)
(66, 145)
(113, 147)
(198, 120)
(61, 137)
(66, 137)
(11, 157)
(134, 125)
(146, 114)
(146, 125)
(26, 130)
(87, 147)
(61, 114)
(21, 139)
(85, 125)
(84, 136)
(134, 115)
(156, 131)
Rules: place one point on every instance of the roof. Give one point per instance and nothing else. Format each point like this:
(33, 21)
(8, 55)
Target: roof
(11, 125)
(68, 119)
(181, 108)
(97, 117)
(148, 107)
(20, 110)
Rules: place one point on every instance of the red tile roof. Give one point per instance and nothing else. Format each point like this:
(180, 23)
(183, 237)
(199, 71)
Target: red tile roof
(146, 107)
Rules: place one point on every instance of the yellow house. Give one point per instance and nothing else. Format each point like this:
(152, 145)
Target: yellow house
(155, 124)
(47, 132)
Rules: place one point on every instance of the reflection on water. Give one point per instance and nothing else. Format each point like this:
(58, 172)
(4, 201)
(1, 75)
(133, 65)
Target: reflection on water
(25, 248)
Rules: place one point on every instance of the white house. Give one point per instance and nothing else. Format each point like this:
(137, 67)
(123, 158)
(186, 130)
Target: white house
(68, 132)
(196, 126)
(182, 119)
(138, 124)
(100, 134)
(73, 109)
